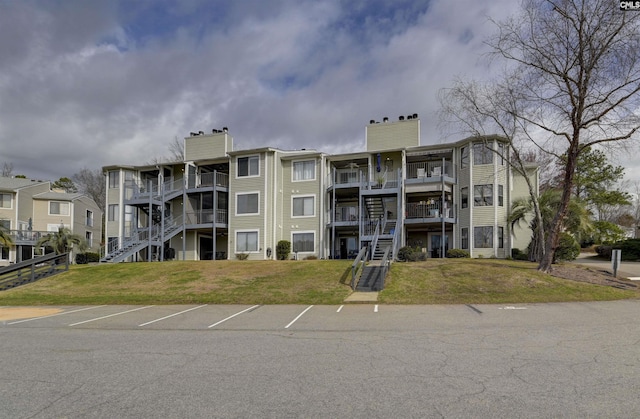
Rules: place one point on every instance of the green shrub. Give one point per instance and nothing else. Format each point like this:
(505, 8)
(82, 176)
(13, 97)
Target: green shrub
(568, 247)
(283, 248)
(518, 254)
(242, 256)
(81, 258)
(311, 257)
(457, 253)
(92, 257)
(630, 249)
(410, 254)
(604, 251)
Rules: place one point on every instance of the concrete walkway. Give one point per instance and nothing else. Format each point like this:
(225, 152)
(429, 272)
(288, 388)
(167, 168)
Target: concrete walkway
(362, 297)
(630, 270)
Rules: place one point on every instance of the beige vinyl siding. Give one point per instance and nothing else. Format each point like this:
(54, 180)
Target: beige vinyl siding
(298, 189)
(393, 135)
(204, 147)
(25, 203)
(249, 184)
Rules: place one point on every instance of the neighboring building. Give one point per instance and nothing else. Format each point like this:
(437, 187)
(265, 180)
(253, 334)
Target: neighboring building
(222, 202)
(29, 210)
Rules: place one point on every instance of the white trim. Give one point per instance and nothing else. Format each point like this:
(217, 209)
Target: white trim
(302, 197)
(235, 237)
(248, 213)
(247, 157)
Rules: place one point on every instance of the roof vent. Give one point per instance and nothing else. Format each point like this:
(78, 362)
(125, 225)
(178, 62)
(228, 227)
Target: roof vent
(401, 118)
(200, 132)
(193, 134)
(225, 129)
(409, 117)
(372, 121)
(385, 119)
(415, 116)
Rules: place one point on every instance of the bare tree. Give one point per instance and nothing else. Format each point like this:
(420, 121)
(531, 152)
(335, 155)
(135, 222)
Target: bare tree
(574, 77)
(92, 183)
(7, 169)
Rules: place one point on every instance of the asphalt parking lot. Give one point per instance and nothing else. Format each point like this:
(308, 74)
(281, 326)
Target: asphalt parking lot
(539, 360)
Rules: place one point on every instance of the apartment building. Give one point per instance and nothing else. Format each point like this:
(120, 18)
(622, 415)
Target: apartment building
(29, 210)
(220, 203)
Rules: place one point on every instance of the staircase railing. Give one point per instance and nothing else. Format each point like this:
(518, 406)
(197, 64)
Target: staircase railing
(357, 266)
(395, 243)
(376, 234)
(385, 267)
(32, 270)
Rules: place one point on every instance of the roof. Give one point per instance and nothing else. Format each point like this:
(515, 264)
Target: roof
(58, 196)
(11, 184)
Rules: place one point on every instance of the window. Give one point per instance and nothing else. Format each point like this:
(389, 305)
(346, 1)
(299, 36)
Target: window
(464, 157)
(58, 208)
(483, 195)
(89, 218)
(5, 200)
(303, 242)
(5, 224)
(4, 252)
(464, 238)
(303, 206)
(247, 203)
(482, 154)
(464, 197)
(112, 212)
(114, 179)
(248, 166)
(304, 170)
(246, 241)
(89, 238)
(500, 195)
(483, 237)
(501, 237)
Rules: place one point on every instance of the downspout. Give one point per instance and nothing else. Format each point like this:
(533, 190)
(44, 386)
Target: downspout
(162, 204)
(333, 216)
(149, 221)
(185, 182)
(443, 236)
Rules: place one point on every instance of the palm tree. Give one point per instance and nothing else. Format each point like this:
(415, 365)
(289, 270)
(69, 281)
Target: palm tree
(62, 241)
(5, 238)
(577, 222)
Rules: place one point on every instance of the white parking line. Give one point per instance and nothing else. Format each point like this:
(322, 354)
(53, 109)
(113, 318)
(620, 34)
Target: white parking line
(54, 315)
(110, 315)
(299, 315)
(375, 308)
(171, 315)
(234, 315)
(340, 309)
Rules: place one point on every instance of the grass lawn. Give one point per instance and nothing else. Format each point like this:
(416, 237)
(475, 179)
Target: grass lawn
(448, 281)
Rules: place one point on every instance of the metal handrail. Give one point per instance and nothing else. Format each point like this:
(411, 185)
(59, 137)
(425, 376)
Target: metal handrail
(358, 264)
(36, 268)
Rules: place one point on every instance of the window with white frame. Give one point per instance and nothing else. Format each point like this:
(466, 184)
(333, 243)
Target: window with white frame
(303, 242)
(246, 241)
(483, 237)
(501, 237)
(5, 200)
(500, 195)
(112, 212)
(89, 218)
(464, 238)
(4, 252)
(303, 206)
(114, 179)
(501, 155)
(483, 195)
(89, 238)
(482, 154)
(304, 170)
(464, 197)
(247, 203)
(58, 208)
(248, 166)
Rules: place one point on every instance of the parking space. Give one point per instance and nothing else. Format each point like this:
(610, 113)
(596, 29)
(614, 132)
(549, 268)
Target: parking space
(261, 317)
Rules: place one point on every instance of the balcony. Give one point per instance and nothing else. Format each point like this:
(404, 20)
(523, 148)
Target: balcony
(207, 217)
(425, 212)
(211, 179)
(430, 171)
(26, 237)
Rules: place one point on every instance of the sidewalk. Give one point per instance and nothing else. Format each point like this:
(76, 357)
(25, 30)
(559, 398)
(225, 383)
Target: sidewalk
(630, 270)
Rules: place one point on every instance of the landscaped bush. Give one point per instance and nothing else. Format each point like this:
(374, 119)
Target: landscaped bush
(410, 254)
(568, 248)
(457, 253)
(630, 249)
(283, 248)
(518, 254)
(604, 251)
(242, 256)
(88, 257)
(311, 257)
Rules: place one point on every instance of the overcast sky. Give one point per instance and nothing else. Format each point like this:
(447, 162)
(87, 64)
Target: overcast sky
(84, 84)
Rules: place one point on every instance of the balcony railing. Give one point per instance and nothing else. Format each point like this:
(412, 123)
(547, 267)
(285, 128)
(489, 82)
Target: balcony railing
(346, 214)
(214, 179)
(429, 169)
(26, 236)
(207, 216)
(427, 210)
